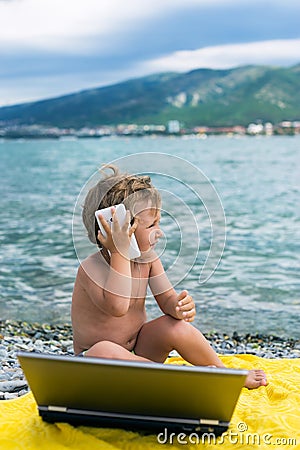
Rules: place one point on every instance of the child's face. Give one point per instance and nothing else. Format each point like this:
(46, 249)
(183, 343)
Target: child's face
(148, 232)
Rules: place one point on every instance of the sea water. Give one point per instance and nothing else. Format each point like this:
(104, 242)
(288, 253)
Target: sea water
(252, 284)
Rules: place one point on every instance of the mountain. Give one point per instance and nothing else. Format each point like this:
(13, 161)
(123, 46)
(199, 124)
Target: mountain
(200, 97)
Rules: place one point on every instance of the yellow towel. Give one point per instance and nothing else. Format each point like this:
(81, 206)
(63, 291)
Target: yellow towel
(265, 418)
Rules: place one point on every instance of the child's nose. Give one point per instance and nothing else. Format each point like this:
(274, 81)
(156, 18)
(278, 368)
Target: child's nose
(159, 233)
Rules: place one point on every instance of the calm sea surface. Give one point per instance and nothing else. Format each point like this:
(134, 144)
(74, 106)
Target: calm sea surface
(256, 286)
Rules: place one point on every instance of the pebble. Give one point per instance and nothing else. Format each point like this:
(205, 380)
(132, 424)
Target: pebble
(57, 339)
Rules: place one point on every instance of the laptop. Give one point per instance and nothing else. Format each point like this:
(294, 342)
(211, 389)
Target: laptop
(133, 395)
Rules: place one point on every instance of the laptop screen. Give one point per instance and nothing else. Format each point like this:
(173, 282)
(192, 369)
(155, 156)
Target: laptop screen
(150, 389)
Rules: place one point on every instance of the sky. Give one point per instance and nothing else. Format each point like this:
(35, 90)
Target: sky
(49, 48)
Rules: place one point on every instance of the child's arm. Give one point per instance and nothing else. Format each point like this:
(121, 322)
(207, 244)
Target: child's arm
(180, 306)
(117, 287)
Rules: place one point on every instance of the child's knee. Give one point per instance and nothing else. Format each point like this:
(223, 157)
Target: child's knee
(102, 349)
(176, 328)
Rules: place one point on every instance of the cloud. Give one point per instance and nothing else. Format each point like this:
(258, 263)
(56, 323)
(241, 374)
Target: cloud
(278, 51)
(29, 87)
(52, 47)
(72, 25)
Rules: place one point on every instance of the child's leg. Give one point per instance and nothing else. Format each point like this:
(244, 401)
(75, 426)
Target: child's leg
(160, 336)
(107, 349)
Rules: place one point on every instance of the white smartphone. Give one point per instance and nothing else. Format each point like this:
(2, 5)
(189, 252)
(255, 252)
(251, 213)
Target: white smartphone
(134, 251)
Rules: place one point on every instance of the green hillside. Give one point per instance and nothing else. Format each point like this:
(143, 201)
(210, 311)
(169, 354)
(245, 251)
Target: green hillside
(200, 97)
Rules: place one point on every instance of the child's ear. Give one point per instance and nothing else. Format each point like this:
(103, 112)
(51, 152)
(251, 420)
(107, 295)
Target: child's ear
(134, 220)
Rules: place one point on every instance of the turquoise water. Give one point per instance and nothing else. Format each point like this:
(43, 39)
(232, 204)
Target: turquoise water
(255, 287)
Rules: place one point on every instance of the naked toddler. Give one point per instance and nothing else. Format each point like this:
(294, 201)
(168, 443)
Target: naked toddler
(108, 306)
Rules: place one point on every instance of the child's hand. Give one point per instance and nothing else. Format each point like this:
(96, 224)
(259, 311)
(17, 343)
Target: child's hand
(185, 308)
(117, 239)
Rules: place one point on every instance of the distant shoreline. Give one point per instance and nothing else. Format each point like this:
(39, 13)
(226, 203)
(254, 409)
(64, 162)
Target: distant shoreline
(37, 132)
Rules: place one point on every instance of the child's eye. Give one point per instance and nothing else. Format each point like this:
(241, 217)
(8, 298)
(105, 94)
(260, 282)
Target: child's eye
(153, 224)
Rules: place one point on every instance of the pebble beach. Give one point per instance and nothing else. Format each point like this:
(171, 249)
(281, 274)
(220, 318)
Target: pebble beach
(16, 336)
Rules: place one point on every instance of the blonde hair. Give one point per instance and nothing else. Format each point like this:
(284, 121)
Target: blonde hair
(117, 188)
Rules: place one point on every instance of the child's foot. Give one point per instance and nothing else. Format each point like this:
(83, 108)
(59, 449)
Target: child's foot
(255, 379)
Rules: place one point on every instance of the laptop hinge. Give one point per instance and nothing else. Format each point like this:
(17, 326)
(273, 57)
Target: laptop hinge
(63, 409)
(57, 408)
(209, 422)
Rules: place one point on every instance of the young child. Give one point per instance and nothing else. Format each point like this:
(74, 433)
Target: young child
(108, 305)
